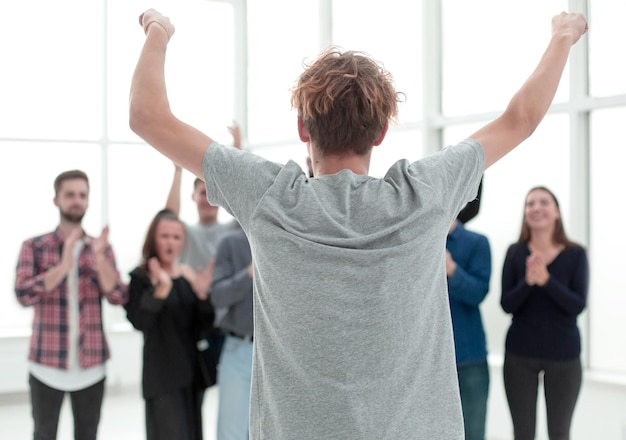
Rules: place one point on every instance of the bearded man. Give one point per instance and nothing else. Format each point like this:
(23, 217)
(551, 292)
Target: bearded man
(64, 275)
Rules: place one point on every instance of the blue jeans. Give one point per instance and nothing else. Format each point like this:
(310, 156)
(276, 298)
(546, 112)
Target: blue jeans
(474, 388)
(233, 380)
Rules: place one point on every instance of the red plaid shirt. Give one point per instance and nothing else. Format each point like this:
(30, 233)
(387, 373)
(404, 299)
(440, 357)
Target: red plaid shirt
(49, 338)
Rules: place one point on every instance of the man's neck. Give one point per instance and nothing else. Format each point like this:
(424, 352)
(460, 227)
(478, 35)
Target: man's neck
(65, 227)
(331, 164)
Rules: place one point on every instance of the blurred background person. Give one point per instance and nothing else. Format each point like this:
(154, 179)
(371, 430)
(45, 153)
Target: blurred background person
(232, 292)
(64, 275)
(545, 278)
(203, 237)
(468, 270)
(169, 304)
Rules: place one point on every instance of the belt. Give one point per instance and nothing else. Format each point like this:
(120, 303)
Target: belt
(247, 338)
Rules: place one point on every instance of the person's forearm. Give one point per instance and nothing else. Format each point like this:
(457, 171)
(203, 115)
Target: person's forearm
(173, 198)
(571, 294)
(467, 288)
(143, 309)
(528, 106)
(232, 290)
(54, 276)
(534, 98)
(148, 97)
(108, 276)
(514, 290)
(571, 301)
(162, 290)
(150, 115)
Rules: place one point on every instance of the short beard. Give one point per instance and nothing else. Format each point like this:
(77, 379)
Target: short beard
(71, 217)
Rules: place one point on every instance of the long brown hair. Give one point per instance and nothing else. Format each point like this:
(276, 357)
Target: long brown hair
(149, 245)
(558, 236)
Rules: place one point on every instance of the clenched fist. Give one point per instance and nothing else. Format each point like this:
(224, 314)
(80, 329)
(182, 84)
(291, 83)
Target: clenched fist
(154, 17)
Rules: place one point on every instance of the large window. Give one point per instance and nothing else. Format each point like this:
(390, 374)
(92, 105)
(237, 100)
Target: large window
(394, 39)
(606, 40)
(277, 48)
(485, 60)
(65, 86)
(64, 90)
(199, 68)
(608, 287)
(51, 85)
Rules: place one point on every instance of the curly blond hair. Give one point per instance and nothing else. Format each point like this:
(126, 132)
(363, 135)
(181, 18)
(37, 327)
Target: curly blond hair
(344, 99)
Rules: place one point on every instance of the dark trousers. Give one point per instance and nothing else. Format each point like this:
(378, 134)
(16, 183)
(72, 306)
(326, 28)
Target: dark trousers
(46, 405)
(175, 416)
(216, 342)
(474, 388)
(561, 382)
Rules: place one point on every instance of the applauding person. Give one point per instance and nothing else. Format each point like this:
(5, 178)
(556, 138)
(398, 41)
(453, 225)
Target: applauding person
(544, 287)
(169, 304)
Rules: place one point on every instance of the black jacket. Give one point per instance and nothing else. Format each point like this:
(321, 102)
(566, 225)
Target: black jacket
(170, 328)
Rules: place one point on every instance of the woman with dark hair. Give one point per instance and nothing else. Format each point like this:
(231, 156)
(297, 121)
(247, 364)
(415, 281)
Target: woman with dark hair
(169, 304)
(544, 286)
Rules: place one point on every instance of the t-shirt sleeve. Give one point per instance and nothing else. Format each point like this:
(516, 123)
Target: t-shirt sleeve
(236, 180)
(455, 172)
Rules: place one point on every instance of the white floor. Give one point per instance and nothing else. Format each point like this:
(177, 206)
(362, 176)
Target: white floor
(122, 416)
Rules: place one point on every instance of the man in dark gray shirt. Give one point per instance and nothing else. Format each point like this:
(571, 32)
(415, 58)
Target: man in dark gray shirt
(232, 297)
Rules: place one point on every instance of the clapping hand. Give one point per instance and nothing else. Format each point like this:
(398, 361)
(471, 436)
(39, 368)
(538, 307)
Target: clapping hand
(159, 278)
(67, 257)
(235, 132)
(100, 243)
(536, 270)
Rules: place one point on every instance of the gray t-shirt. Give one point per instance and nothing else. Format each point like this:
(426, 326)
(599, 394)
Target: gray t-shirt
(353, 338)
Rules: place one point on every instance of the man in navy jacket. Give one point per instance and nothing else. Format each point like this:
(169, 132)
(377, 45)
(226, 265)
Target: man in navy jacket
(468, 268)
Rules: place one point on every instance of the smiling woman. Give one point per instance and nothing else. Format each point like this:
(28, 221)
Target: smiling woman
(544, 287)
